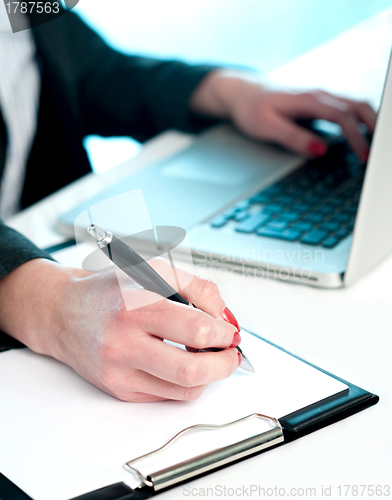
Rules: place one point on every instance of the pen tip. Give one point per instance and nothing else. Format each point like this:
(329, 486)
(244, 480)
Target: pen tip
(245, 364)
(248, 367)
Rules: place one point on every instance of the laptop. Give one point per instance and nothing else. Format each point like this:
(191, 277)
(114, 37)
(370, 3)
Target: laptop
(260, 210)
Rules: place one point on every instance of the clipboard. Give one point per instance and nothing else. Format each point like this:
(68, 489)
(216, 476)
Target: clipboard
(283, 430)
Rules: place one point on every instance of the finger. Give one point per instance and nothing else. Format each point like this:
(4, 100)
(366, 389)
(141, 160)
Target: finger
(187, 326)
(140, 397)
(292, 136)
(327, 107)
(169, 391)
(205, 295)
(363, 110)
(202, 292)
(349, 123)
(365, 113)
(183, 368)
(124, 387)
(156, 389)
(355, 138)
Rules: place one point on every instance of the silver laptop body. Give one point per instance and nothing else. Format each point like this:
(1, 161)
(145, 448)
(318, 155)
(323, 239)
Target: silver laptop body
(221, 169)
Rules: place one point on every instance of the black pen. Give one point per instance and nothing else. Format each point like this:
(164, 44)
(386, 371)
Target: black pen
(139, 270)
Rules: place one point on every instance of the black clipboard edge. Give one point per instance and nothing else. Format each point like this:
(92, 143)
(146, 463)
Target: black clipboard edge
(9, 491)
(309, 417)
(295, 426)
(365, 401)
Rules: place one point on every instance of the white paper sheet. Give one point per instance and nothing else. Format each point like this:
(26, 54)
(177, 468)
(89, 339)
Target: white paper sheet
(62, 437)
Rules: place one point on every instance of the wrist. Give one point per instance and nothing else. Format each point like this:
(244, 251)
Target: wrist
(220, 92)
(33, 304)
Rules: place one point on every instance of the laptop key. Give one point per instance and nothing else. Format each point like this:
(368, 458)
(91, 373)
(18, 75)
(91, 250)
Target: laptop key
(273, 209)
(276, 225)
(342, 217)
(286, 199)
(272, 190)
(315, 237)
(337, 201)
(315, 218)
(351, 209)
(342, 233)
(240, 216)
(331, 242)
(289, 216)
(305, 182)
(219, 222)
(294, 190)
(314, 174)
(230, 214)
(312, 198)
(326, 208)
(251, 224)
(330, 226)
(302, 226)
(261, 198)
(303, 207)
(330, 179)
(243, 204)
(287, 234)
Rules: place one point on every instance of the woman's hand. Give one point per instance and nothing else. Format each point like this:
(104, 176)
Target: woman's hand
(270, 115)
(80, 319)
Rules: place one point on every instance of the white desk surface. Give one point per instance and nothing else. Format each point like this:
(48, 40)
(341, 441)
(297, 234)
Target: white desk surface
(347, 331)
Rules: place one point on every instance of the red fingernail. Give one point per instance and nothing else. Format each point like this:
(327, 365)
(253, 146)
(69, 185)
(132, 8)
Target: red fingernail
(365, 155)
(236, 340)
(239, 358)
(229, 317)
(316, 148)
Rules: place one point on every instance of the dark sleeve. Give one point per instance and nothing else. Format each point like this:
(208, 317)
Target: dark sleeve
(130, 95)
(15, 251)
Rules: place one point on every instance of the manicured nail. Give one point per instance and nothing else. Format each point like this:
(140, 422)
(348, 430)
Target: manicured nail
(316, 148)
(239, 358)
(365, 155)
(229, 317)
(236, 340)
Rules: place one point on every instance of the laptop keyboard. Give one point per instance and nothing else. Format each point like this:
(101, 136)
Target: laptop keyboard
(315, 205)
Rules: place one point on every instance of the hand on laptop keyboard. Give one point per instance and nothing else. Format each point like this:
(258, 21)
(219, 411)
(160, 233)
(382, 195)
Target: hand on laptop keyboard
(315, 205)
(271, 115)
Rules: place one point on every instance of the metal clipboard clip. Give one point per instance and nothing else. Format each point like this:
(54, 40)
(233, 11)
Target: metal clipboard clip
(207, 461)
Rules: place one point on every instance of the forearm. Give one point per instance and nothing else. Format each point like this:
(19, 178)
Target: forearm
(15, 250)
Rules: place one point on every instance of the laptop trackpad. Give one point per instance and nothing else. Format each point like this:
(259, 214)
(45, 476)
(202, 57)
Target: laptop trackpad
(212, 165)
